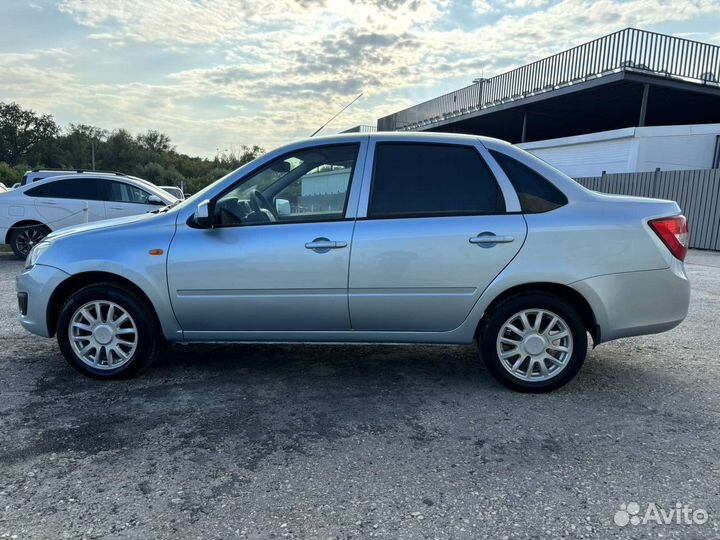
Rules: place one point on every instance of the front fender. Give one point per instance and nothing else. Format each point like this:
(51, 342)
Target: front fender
(124, 251)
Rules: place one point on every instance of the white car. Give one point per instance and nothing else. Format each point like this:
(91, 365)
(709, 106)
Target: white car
(36, 175)
(174, 191)
(32, 211)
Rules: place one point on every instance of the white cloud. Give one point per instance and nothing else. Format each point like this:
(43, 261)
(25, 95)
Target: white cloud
(258, 71)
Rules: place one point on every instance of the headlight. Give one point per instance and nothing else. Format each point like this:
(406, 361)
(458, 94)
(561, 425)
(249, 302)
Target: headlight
(35, 254)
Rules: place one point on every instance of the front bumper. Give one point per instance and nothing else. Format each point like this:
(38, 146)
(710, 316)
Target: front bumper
(38, 283)
(637, 303)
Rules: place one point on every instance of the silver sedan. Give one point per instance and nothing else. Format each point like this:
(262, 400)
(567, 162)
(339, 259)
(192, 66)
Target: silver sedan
(385, 237)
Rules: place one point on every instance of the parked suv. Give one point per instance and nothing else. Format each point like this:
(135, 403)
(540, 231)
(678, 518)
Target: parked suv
(30, 212)
(41, 174)
(383, 237)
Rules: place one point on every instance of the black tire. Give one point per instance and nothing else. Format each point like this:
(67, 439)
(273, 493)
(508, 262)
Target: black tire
(149, 341)
(18, 238)
(503, 311)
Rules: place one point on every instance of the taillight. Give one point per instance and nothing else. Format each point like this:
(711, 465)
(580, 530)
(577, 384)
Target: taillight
(673, 231)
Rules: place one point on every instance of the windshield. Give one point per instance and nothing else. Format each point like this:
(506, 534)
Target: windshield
(202, 194)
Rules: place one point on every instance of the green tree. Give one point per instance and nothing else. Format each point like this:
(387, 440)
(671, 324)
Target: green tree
(24, 134)
(155, 142)
(77, 144)
(11, 175)
(35, 141)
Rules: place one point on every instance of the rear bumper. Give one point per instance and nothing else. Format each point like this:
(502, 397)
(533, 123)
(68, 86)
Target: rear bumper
(637, 303)
(38, 284)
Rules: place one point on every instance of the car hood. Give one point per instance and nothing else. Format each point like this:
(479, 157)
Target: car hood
(98, 225)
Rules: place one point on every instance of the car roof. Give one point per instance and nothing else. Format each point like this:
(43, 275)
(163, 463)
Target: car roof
(69, 174)
(139, 182)
(389, 136)
(399, 136)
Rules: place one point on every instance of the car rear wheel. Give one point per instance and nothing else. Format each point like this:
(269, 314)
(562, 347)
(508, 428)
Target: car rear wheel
(107, 332)
(25, 237)
(533, 342)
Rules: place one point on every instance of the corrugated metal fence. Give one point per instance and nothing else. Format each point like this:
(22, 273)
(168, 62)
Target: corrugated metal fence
(697, 192)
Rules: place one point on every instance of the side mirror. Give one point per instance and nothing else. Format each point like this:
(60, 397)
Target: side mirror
(154, 199)
(202, 214)
(283, 207)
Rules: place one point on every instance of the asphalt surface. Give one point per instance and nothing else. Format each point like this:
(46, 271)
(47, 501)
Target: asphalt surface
(250, 441)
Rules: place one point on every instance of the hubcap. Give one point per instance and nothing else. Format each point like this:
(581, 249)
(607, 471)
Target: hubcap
(27, 239)
(534, 345)
(103, 335)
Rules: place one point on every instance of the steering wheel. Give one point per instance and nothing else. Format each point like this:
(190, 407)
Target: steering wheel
(258, 200)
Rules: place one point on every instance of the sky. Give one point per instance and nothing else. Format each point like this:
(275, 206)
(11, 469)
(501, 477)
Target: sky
(217, 74)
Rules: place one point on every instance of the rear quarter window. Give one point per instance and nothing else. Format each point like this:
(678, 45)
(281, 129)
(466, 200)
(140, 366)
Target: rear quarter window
(536, 193)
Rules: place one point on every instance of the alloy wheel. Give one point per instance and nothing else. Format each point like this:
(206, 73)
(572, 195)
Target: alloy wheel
(103, 335)
(27, 238)
(534, 345)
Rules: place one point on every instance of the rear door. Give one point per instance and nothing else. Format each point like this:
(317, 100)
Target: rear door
(435, 234)
(123, 199)
(61, 203)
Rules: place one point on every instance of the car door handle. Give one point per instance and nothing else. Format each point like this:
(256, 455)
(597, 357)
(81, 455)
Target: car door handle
(490, 238)
(324, 244)
(52, 203)
(116, 207)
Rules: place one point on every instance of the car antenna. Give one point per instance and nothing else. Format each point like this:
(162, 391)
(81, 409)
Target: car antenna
(338, 114)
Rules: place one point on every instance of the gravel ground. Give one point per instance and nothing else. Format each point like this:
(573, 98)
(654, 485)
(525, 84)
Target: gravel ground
(250, 441)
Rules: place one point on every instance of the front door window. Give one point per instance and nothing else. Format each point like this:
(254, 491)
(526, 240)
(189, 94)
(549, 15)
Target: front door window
(306, 186)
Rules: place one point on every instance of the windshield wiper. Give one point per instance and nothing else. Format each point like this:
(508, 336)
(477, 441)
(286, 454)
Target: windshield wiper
(165, 208)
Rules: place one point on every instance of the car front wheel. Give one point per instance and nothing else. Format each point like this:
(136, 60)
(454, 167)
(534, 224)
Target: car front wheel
(25, 237)
(534, 342)
(106, 332)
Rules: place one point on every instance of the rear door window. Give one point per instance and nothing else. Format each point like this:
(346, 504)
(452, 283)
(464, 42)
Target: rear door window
(73, 188)
(418, 179)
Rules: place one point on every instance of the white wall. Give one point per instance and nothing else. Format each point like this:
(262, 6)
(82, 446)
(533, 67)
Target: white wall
(630, 150)
(324, 183)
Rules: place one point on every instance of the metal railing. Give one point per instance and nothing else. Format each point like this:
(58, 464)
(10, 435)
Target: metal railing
(362, 128)
(629, 49)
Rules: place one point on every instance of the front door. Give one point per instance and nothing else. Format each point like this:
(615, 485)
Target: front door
(277, 257)
(435, 236)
